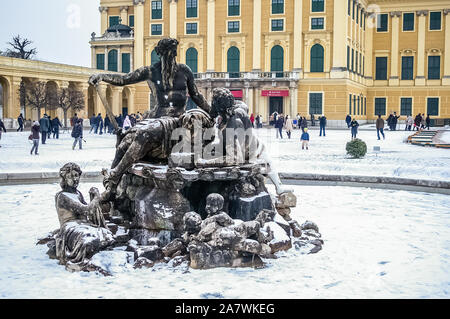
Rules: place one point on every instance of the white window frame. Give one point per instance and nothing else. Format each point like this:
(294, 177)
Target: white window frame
(323, 101)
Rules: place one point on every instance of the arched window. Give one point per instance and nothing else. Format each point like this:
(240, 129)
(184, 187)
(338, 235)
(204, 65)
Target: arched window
(317, 58)
(155, 57)
(276, 60)
(112, 60)
(192, 59)
(233, 61)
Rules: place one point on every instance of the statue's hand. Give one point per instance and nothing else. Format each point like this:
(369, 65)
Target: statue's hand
(95, 79)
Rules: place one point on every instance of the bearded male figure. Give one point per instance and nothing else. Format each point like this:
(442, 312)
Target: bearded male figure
(169, 82)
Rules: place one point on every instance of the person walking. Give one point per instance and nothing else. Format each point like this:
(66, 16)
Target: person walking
(428, 121)
(279, 124)
(395, 121)
(389, 121)
(2, 128)
(258, 121)
(354, 128)
(252, 119)
(409, 123)
(417, 121)
(322, 124)
(380, 127)
(126, 123)
(99, 122)
(304, 124)
(288, 126)
(56, 124)
(107, 124)
(35, 129)
(77, 134)
(44, 127)
(348, 119)
(422, 121)
(299, 120)
(50, 127)
(305, 139)
(313, 120)
(20, 120)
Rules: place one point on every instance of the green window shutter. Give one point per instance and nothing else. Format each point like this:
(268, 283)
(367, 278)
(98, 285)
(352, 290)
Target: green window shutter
(317, 56)
(348, 58)
(381, 68)
(349, 104)
(365, 106)
(277, 61)
(380, 106)
(356, 62)
(434, 67)
(125, 62)
(233, 61)
(354, 104)
(191, 28)
(233, 7)
(131, 21)
(353, 60)
(364, 66)
(353, 10)
(277, 6)
(359, 105)
(408, 22)
(277, 25)
(317, 6)
(433, 106)
(382, 22)
(100, 61)
(349, 5)
(315, 103)
(406, 106)
(155, 58)
(113, 21)
(233, 26)
(435, 20)
(191, 8)
(192, 59)
(156, 29)
(407, 68)
(112, 60)
(317, 24)
(157, 9)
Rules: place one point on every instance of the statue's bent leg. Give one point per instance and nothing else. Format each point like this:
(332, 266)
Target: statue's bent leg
(122, 148)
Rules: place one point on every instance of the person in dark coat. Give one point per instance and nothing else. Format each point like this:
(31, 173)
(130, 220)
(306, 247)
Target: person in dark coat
(389, 121)
(303, 124)
(56, 124)
(73, 120)
(50, 127)
(428, 121)
(258, 121)
(323, 124)
(417, 121)
(77, 134)
(394, 121)
(2, 128)
(107, 125)
(313, 120)
(20, 120)
(279, 124)
(348, 119)
(44, 127)
(354, 127)
(380, 126)
(99, 122)
(91, 122)
(35, 129)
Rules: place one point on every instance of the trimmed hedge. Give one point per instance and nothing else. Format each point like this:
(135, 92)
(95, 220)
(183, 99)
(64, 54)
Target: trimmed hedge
(356, 148)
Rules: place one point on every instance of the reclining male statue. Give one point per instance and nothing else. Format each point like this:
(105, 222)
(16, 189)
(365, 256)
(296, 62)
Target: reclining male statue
(169, 82)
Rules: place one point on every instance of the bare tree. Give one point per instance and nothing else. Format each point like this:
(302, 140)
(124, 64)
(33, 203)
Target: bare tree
(37, 95)
(19, 48)
(70, 99)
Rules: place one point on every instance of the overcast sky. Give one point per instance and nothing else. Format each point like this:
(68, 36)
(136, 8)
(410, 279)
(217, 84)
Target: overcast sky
(60, 29)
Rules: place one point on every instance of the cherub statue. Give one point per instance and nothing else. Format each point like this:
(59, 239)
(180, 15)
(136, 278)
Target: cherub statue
(214, 204)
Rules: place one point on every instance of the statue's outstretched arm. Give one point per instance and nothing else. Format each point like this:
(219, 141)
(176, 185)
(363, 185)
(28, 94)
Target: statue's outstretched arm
(195, 95)
(139, 75)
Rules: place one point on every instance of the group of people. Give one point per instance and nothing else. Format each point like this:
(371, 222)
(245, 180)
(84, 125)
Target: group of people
(420, 122)
(43, 130)
(353, 125)
(256, 121)
(100, 125)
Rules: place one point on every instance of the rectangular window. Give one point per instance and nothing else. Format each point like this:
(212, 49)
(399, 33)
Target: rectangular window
(113, 21)
(406, 106)
(381, 68)
(356, 62)
(408, 22)
(277, 6)
(233, 7)
(348, 58)
(317, 6)
(380, 106)
(364, 66)
(191, 8)
(433, 106)
(349, 104)
(277, 25)
(233, 26)
(359, 111)
(364, 21)
(365, 106)
(100, 61)
(317, 24)
(434, 67)
(131, 21)
(349, 7)
(156, 29)
(357, 16)
(315, 103)
(157, 9)
(407, 67)
(435, 20)
(191, 28)
(353, 60)
(354, 104)
(353, 10)
(382, 22)
(125, 62)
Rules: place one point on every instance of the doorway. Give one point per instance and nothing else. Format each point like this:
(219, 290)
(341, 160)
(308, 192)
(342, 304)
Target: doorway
(275, 104)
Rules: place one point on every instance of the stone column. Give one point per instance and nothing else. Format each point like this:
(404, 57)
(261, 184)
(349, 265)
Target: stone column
(370, 25)
(138, 33)
(292, 97)
(124, 14)
(116, 99)
(106, 58)
(119, 60)
(131, 104)
(93, 58)
(339, 63)
(393, 79)
(420, 77)
(173, 18)
(210, 67)
(132, 60)
(256, 66)
(98, 104)
(12, 107)
(104, 19)
(446, 78)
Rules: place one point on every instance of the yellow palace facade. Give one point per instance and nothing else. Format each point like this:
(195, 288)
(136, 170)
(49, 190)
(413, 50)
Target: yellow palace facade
(332, 57)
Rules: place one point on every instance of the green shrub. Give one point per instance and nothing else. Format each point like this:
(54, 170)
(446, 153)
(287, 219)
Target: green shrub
(356, 148)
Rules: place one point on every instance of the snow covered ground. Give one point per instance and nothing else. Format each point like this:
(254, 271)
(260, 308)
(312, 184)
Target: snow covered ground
(326, 155)
(378, 244)
(445, 137)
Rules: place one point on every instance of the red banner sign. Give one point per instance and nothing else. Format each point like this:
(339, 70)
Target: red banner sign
(237, 93)
(275, 93)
